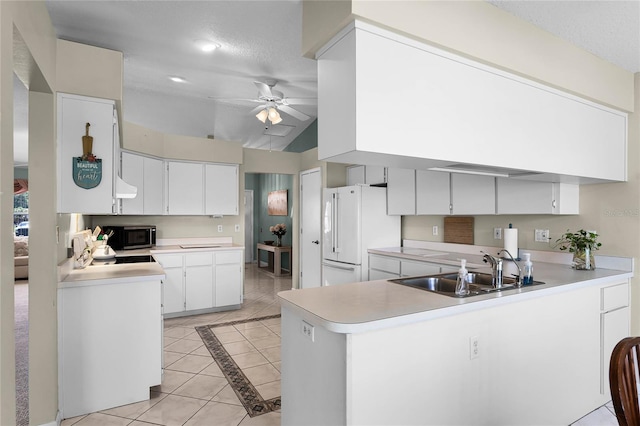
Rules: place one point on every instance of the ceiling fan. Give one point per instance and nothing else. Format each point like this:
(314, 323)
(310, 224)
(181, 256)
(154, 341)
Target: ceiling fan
(273, 101)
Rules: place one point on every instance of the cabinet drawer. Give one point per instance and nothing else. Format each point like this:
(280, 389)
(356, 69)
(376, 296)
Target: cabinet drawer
(169, 260)
(383, 263)
(199, 259)
(616, 296)
(409, 269)
(223, 257)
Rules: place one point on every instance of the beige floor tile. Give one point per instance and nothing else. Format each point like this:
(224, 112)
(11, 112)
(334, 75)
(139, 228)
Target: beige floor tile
(272, 353)
(202, 351)
(174, 410)
(261, 374)
(218, 414)
(241, 347)
(133, 411)
(99, 419)
(233, 336)
(277, 365)
(266, 342)
(169, 341)
(247, 325)
(257, 333)
(227, 395)
(194, 336)
(71, 421)
(191, 363)
(172, 380)
(272, 321)
(224, 329)
(269, 390)
(179, 332)
(269, 419)
(276, 329)
(249, 359)
(213, 370)
(183, 346)
(171, 357)
(174, 322)
(202, 387)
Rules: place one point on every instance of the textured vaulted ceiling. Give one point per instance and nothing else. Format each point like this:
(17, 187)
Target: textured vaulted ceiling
(260, 40)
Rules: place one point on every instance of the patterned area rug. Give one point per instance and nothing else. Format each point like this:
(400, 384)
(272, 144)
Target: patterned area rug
(247, 393)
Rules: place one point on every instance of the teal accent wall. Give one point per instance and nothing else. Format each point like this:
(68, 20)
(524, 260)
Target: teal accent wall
(20, 173)
(306, 140)
(262, 184)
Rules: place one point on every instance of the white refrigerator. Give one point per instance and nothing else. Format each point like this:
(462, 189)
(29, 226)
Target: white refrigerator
(354, 220)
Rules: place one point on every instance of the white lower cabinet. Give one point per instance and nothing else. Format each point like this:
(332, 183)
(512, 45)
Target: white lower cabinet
(228, 278)
(388, 267)
(614, 326)
(201, 281)
(198, 280)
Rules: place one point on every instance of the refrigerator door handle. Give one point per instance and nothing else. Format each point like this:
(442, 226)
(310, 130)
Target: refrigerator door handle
(333, 222)
(336, 240)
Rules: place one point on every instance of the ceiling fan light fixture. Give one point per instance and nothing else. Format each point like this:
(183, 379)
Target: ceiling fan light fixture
(262, 115)
(276, 120)
(274, 116)
(177, 79)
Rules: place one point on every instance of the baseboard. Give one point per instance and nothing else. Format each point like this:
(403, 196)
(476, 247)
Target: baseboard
(56, 422)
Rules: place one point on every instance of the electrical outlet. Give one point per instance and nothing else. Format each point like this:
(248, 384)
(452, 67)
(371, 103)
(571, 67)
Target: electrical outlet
(219, 228)
(542, 236)
(435, 230)
(497, 233)
(237, 228)
(474, 347)
(308, 330)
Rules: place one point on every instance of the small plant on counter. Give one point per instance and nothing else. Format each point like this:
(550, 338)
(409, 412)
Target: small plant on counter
(582, 244)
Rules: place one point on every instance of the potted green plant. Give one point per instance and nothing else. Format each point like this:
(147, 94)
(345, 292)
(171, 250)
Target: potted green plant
(582, 244)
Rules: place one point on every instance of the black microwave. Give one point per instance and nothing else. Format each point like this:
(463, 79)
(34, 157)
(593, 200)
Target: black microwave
(131, 237)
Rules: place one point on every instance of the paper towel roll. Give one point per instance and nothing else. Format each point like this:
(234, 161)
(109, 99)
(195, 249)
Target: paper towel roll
(511, 241)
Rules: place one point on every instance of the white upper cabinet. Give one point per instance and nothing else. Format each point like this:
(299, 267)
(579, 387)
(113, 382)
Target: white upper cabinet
(221, 186)
(528, 197)
(443, 110)
(147, 174)
(153, 191)
(433, 193)
(473, 194)
(185, 188)
(367, 175)
(401, 191)
(74, 112)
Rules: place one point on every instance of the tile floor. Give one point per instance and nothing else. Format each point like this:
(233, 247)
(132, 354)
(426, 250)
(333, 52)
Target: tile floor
(194, 391)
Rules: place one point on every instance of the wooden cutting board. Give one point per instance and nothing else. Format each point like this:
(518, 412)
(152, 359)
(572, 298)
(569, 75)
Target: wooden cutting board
(458, 230)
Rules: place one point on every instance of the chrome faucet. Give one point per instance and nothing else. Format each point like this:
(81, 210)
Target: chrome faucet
(496, 269)
(519, 276)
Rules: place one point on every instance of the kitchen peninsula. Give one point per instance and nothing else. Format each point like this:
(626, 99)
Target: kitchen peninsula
(381, 353)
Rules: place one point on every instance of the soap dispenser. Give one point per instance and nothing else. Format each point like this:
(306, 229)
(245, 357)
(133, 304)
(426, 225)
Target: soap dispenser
(527, 272)
(462, 286)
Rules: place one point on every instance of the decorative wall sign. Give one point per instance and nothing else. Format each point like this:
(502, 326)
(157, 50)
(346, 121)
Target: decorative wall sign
(277, 203)
(87, 170)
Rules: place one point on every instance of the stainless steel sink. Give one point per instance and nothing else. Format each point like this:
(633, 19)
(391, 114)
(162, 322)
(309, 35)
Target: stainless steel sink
(479, 283)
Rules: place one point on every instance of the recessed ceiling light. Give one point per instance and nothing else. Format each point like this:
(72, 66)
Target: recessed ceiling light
(207, 45)
(177, 79)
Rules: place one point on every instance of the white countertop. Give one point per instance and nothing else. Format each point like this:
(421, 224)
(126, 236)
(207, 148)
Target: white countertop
(431, 256)
(366, 306)
(145, 271)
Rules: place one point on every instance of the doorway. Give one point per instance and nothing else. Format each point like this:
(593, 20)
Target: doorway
(262, 184)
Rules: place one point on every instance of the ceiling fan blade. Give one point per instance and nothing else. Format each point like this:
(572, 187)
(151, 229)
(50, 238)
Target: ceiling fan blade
(263, 89)
(257, 109)
(294, 113)
(300, 101)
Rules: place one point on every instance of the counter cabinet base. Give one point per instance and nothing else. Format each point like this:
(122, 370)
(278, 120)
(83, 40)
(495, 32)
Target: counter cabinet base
(202, 311)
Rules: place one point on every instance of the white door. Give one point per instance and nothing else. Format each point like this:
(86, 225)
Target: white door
(248, 226)
(310, 228)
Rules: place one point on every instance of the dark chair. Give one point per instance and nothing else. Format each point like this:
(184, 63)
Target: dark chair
(623, 381)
